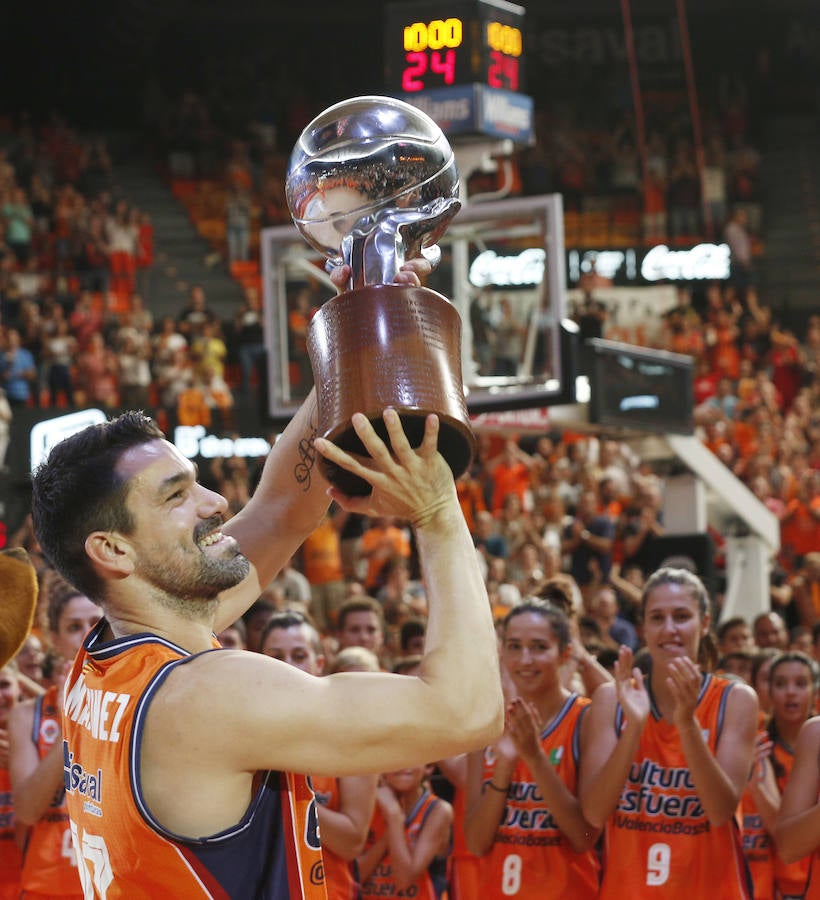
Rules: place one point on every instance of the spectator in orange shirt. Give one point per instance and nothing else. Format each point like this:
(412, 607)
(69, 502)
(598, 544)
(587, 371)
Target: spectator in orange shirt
(322, 565)
(470, 497)
(800, 525)
(381, 540)
(510, 473)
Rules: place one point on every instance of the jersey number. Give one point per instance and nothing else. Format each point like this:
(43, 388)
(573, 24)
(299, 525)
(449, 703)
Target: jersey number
(511, 875)
(67, 851)
(657, 864)
(93, 850)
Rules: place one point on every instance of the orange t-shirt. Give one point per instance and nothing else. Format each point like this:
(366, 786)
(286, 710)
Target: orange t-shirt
(321, 554)
(514, 479)
(801, 530)
(398, 545)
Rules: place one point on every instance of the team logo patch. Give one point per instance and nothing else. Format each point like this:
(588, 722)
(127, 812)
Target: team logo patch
(317, 873)
(49, 731)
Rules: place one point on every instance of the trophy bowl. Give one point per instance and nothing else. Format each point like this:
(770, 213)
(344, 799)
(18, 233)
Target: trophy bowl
(362, 157)
(371, 183)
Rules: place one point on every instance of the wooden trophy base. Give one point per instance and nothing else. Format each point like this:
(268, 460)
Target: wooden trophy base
(389, 345)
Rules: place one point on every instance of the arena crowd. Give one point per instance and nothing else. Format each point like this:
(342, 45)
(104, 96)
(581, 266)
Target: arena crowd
(563, 523)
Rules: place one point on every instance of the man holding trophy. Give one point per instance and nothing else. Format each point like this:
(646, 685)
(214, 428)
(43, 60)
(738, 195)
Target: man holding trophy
(178, 756)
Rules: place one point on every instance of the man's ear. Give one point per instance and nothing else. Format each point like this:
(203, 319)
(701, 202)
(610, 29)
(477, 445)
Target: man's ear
(111, 552)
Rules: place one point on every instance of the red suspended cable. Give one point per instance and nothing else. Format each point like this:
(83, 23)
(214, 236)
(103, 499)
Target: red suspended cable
(637, 98)
(694, 111)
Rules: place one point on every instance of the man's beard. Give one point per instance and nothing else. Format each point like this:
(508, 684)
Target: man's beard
(192, 587)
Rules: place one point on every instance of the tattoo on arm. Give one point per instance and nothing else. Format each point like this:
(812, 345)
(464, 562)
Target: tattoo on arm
(307, 454)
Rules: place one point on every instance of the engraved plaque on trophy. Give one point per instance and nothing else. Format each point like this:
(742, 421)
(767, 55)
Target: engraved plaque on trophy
(372, 182)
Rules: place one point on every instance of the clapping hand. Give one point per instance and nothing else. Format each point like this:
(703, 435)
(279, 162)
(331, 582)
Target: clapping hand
(632, 694)
(684, 682)
(523, 725)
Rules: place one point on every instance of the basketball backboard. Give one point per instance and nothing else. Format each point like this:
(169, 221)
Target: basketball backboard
(502, 266)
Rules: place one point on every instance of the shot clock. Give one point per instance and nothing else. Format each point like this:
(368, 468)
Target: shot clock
(434, 44)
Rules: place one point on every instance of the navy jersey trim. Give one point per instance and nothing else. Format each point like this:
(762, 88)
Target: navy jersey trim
(37, 720)
(99, 649)
(551, 726)
(135, 750)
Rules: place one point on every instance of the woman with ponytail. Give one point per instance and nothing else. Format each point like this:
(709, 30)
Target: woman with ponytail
(667, 761)
(523, 819)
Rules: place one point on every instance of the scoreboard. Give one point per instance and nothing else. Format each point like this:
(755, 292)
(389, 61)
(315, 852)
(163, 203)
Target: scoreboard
(451, 55)
(432, 44)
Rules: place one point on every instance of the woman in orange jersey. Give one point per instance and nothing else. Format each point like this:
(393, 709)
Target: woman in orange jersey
(11, 860)
(666, 763)
(793, 687)
(524, 818)
(758, 811)
(410, 828)
(797, 830)
(344, 805)
(36, 757)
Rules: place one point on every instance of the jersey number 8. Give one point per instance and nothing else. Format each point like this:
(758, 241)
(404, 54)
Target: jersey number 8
(511, 875)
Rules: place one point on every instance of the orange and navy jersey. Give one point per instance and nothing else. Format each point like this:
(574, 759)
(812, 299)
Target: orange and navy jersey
(789, 878)
(380, 881)
(272, 853)
(49, 866)
(529, 849)
(758, 848)
(339, 878)
(11, 859)
(659, 836)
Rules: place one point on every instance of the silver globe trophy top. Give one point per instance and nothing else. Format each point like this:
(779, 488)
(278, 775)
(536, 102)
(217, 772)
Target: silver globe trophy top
(372, 182)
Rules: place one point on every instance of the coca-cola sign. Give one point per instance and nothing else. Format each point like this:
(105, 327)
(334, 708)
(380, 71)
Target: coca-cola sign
(703, 261)
(627, 265)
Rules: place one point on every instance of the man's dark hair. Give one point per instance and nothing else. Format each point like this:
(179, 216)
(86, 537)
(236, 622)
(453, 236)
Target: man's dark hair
(78, 490)
(410, 629)
(728, 624)
(284, 619)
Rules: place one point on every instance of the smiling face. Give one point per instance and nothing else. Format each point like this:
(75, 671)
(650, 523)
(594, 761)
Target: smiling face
(791, 688)
(673, 623)
(531, 653)
(177, 544)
